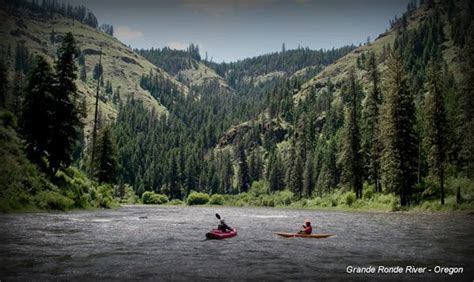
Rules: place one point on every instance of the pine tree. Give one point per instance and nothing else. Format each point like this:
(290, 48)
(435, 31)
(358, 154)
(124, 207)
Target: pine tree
(399, 151)
(243, 173)
(106, 164)
(226, 175)
(308, 178)
(276, 174)
(350, 157)
(371, 134)
(37, 118)
(98, 70)
(175, 190)
(295, 172)
(66, 124)
(18, 94)
(190, 181)
(22, 58)
(436, 124)
(255, 166)
(466, 98)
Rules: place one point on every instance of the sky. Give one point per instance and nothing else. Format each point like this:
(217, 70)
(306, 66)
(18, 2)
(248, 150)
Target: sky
(229, 30)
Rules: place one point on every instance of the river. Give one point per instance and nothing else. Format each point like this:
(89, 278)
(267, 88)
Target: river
(168, 243)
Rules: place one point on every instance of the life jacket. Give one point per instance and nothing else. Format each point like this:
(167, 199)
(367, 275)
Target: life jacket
(308, 229)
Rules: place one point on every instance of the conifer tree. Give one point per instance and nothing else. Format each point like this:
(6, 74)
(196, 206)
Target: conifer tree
(38, 116)
(371, 120)
(174, 189)
(191, 176)
(399, 141)
(243, 173)
(295, 181)
(106, 164)
(67, 119)
(18, 93)
(308, 178)
(350, 157)
(276, 174)
(226, 175)
(435, 112)
(466, 117)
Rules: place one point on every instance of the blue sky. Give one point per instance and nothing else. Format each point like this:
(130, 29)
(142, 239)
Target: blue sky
(231, 29)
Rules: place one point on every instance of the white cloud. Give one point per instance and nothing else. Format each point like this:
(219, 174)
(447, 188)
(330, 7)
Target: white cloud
(125, 33)
(177, 45)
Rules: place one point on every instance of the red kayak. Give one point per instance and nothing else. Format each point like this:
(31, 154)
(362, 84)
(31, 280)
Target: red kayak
(219, 234)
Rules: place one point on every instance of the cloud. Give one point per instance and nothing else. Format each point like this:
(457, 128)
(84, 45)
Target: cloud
(177, 45)
(126, 33)
(222, 7)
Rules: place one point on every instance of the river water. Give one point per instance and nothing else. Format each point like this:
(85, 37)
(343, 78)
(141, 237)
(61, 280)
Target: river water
(168, 243)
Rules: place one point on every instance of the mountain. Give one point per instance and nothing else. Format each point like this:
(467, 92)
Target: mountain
(414, 19)
(387, 118)
(41, 34)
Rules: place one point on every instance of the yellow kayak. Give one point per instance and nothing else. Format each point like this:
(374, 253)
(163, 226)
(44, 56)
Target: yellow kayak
(289, 235)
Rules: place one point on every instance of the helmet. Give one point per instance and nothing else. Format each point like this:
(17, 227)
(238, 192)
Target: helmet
(307, 222)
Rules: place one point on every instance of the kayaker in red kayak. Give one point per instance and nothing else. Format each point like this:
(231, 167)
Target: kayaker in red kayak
(223, 226)
(307, 229)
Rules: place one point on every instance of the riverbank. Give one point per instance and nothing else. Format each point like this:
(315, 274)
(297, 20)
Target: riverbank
(342, 201)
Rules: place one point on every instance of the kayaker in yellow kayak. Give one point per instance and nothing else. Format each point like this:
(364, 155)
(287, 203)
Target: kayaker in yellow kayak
(307, 229)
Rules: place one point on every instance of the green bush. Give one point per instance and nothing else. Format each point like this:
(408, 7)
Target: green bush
(197, 198)
(106, 199)
(259, 188)
(129, 196)
(175, 202)
(216, 199)
(349, 198)
(51, 200)
(152, 198)
(283, 198)
(368, 192)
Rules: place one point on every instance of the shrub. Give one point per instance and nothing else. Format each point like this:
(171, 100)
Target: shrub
(368, 192)
(106, 199)
(197, 198)
(52, 200)
(283, 198)
(216, 199)
(349, 198)
(175, 202)
(129, 196)
(152, 198)
(259, 188)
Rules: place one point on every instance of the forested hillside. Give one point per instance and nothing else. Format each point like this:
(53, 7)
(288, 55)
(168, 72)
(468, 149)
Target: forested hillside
(388, 124)
(29, 29)
(381, 119)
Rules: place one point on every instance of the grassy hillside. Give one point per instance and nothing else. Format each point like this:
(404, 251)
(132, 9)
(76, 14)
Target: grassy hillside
(122, 67)
(185, 65)
(338, 71)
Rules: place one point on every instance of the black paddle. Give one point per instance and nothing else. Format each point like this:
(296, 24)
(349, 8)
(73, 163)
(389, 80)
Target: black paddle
(218, 216)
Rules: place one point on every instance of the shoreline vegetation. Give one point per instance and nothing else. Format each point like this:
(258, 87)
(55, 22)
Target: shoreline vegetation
(259, 196)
